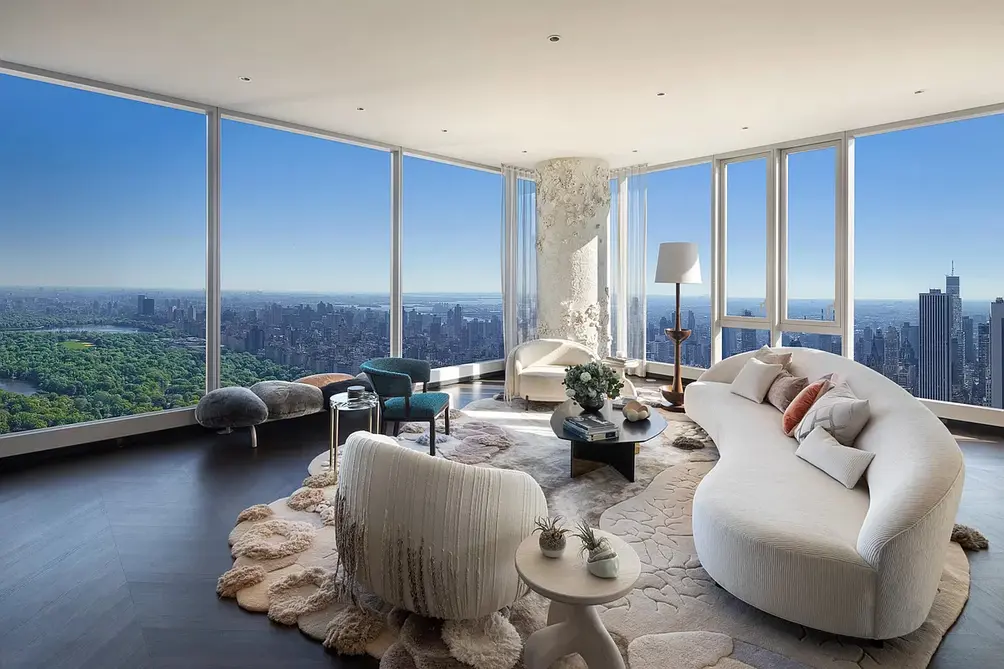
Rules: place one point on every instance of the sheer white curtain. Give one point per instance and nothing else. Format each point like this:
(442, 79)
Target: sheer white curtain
(628, 231)
(519, 267)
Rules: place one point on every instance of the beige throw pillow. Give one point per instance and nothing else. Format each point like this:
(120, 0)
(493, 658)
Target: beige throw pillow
(772, 357)
(785, 388)
(754, 379)
(843, 463)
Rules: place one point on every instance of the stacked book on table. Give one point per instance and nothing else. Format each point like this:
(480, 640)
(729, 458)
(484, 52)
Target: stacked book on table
(588, 427)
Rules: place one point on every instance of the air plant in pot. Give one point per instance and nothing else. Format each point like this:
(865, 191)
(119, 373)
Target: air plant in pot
(552, 536)
(602, 559)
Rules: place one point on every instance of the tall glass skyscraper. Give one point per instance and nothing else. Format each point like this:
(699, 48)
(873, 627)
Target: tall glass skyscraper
(935, 364)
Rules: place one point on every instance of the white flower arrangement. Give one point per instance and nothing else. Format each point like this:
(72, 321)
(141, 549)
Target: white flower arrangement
(591, 383)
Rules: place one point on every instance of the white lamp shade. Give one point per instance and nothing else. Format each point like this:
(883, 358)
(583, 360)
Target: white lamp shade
(678, 263)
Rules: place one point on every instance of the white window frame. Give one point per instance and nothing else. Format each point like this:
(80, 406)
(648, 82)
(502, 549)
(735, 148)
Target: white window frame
(785, 324)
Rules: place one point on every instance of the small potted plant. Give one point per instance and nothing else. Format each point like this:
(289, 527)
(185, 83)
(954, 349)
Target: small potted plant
(602, 559)
(552, 536)
(590, 384)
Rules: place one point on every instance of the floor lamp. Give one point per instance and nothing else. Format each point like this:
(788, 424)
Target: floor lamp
(678, 263)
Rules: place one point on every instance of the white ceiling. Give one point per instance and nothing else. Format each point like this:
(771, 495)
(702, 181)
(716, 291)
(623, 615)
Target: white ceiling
(486, 72)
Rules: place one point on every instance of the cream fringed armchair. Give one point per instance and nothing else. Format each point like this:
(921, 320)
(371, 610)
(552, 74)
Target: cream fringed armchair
(431, 536)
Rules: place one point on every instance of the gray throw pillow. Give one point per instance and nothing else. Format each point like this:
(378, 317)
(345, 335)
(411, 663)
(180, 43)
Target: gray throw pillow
(843, 463)
(785, 388)
(839, 412)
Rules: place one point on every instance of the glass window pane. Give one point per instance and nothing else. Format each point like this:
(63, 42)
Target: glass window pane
(102, 256)
(452, 263)
(742, 340)
(305, 268)
(820, 342)
(928, 226)
(745, 186)
(679, 210)
(812, 205)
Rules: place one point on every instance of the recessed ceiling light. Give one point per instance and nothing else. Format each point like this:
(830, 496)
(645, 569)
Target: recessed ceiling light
(524, 150)
(659, 95)
(634, 150)
(444, 130)
(919, 91)
(554, 38)
(360, 108)
(244, 79)
(745, 127)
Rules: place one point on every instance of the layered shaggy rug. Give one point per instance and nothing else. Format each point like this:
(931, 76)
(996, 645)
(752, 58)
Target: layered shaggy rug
(676, 617)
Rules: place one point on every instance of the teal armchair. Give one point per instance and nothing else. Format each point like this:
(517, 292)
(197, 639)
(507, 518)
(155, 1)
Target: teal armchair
(394, 382)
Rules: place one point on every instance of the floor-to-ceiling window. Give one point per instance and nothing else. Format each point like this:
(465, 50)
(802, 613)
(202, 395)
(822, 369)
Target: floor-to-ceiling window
(102, 256)
(807, 252)
(929, 219)
(305, 254)
(451, 263)
(679, 210)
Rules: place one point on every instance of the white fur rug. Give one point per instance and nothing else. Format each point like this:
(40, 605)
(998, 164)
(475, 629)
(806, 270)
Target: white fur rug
(676, 618)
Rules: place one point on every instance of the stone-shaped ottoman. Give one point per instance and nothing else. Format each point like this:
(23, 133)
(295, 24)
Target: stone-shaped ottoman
(332, 384)
(227, 408)
(286, 399)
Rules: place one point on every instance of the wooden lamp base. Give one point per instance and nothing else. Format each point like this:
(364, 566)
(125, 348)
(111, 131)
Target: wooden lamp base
(674, 398)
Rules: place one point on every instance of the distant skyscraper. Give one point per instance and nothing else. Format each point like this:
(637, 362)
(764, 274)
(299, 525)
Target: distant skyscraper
(968, 341)
(748, 336)
(148, 307)
(956, 341)
(890, 367)
(982, 367)
(935, 363)
(997, 353)
(139, 304)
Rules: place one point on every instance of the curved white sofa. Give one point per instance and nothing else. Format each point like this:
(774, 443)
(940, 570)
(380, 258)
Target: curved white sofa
(535, 369)
(784, 537)
(428, 535)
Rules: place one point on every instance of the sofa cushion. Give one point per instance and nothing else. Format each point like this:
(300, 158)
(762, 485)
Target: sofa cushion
(800, 406)
(842, 463)
(785, 388)
(839, 412)
(423, 406)
(773, 357)
(754, 379)
(548, 371)
(286, 399)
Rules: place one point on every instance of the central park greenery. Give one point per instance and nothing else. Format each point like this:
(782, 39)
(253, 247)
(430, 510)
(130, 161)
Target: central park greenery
(84, 376)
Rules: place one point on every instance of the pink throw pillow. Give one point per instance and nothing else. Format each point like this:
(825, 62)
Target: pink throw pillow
(799, 406)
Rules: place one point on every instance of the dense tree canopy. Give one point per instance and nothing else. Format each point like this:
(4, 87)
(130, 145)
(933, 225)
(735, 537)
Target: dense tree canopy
(120, 375)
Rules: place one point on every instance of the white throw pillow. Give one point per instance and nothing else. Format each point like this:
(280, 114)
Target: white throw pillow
(772, 357)
(839, 412)
(754, 379)
(843, 463)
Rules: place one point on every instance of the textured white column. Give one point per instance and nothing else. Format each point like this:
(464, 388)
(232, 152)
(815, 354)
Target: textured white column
(573, 200)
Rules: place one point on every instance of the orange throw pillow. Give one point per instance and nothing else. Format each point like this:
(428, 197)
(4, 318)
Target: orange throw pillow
(799, 406)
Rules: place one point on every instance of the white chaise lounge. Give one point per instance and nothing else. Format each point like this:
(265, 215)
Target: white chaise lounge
(786, 538)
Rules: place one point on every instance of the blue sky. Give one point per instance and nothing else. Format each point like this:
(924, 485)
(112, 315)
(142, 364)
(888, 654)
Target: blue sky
(101, 191)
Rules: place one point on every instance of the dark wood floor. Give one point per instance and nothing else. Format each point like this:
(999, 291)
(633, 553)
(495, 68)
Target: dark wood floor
(109, 559)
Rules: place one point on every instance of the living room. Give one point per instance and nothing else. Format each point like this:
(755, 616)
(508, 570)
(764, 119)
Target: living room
(325, 328)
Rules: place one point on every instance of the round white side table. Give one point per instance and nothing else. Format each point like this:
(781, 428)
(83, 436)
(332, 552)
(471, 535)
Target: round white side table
(573, 622)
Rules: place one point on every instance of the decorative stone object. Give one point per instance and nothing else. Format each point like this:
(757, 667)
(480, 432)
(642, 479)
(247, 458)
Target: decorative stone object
(227, 408)
(635, 411)
(573, 199)
(285, 399)
(602, 558)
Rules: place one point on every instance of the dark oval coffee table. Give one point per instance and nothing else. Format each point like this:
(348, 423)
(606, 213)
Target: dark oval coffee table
(619, 452)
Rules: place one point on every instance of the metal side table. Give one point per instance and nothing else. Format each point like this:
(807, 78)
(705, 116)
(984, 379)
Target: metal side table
(367, 401)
